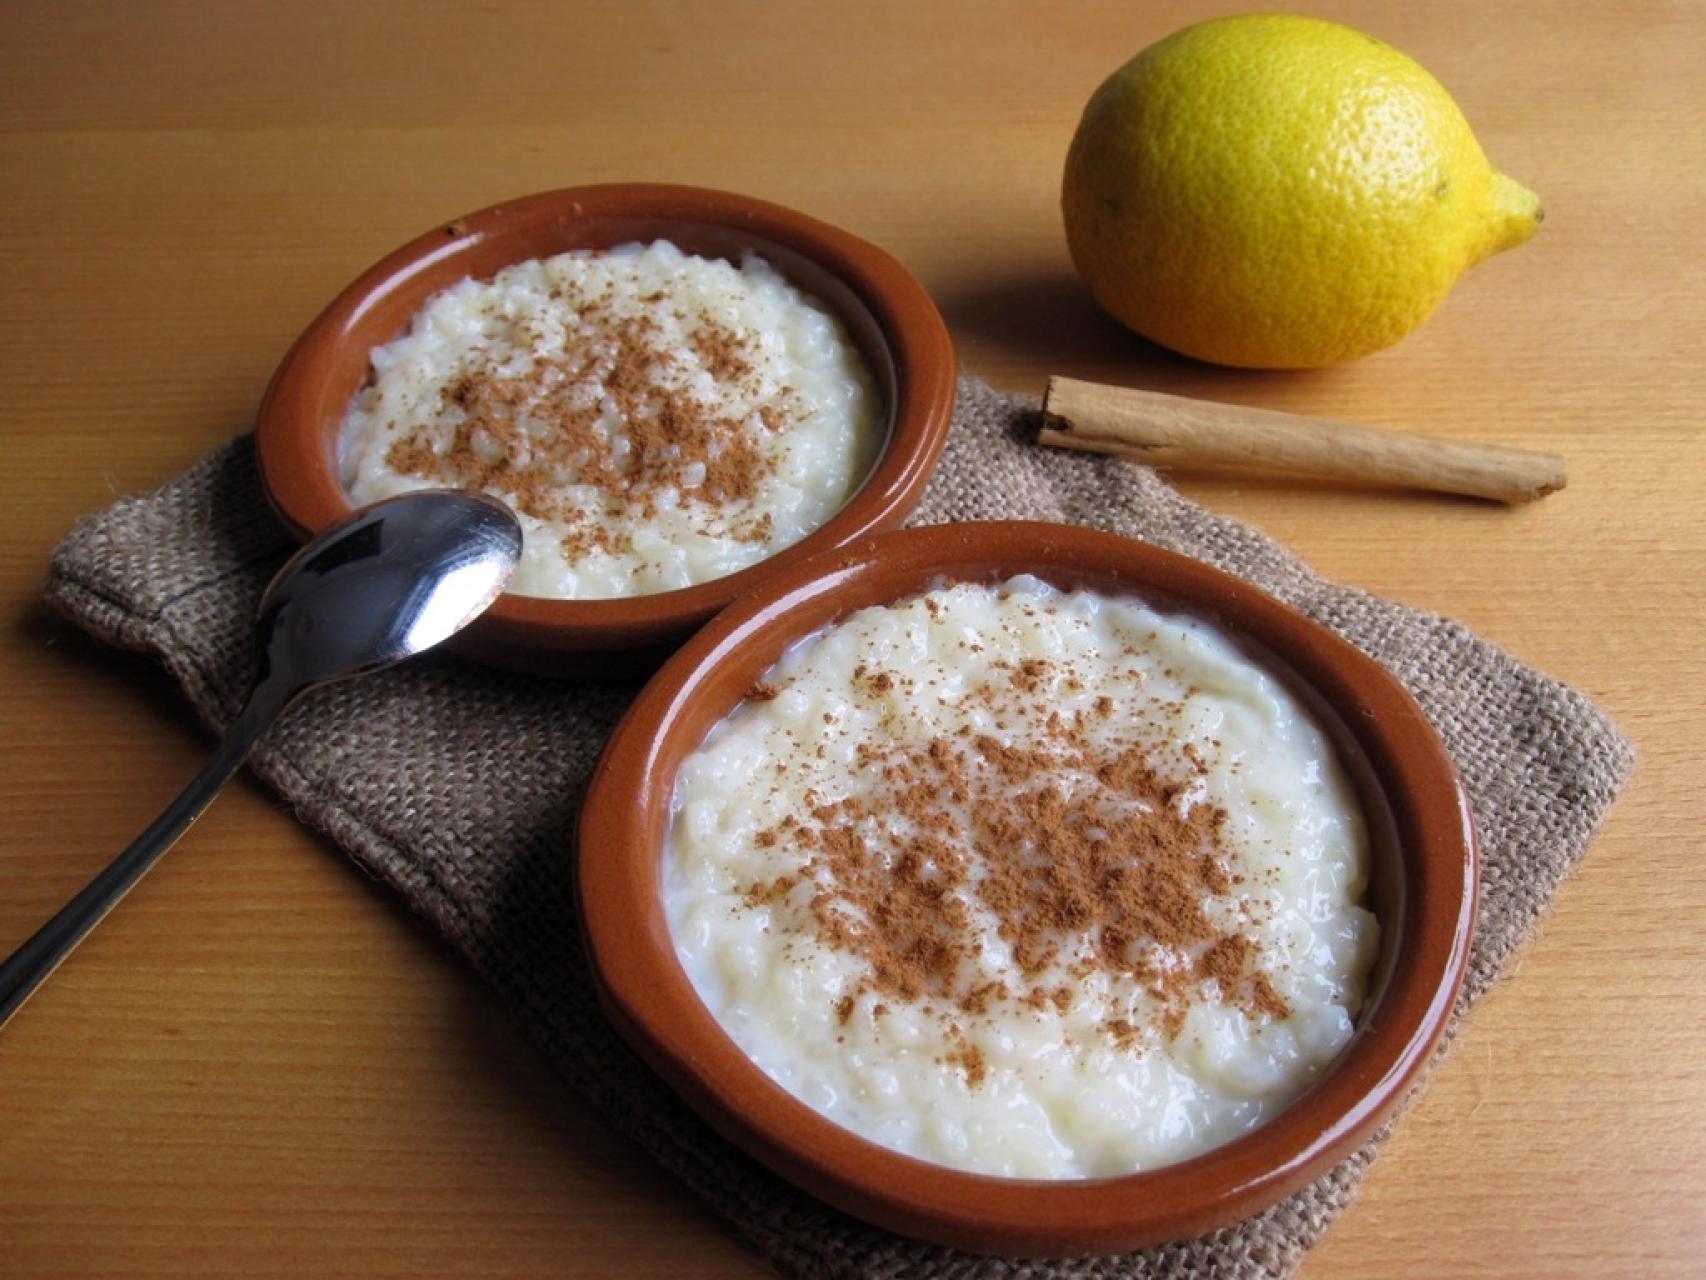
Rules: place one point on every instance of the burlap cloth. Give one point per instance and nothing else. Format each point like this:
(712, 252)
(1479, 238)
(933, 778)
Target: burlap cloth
(458, 787)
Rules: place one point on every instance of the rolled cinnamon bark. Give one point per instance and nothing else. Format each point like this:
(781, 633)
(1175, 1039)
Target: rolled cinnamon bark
(1162, 429)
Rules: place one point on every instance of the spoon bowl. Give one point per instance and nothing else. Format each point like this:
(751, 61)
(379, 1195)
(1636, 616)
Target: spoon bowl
(396, 578)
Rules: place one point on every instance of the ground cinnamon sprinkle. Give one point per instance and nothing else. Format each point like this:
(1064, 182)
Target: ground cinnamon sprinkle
(1081, 847)
(531, 435)
(966, 1056)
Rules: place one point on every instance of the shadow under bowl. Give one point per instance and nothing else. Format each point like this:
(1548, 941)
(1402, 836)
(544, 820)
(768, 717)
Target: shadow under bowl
(1422, 889)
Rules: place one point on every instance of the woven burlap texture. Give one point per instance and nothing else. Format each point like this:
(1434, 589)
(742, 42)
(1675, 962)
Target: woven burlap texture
(458, 787)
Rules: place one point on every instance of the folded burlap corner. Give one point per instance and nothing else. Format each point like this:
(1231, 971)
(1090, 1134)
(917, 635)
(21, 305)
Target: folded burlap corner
(458, 787)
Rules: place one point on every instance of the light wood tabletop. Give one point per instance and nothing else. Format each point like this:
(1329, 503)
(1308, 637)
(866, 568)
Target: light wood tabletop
(260, 1065)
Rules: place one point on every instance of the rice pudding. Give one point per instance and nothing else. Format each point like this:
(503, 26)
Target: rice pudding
(656, 419)
(1031, 883)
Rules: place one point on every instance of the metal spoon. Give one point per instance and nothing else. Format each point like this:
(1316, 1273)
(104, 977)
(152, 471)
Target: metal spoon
(395, 578)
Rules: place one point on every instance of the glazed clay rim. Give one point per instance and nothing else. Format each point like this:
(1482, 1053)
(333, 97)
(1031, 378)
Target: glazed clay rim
(299, 416)
(653, 1004)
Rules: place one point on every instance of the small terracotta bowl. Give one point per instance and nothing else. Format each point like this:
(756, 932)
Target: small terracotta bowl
(886, 311)
(1422, 888)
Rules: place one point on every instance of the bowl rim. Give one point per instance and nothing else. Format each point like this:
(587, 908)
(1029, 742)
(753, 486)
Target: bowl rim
(652, 1003)
(308, 495)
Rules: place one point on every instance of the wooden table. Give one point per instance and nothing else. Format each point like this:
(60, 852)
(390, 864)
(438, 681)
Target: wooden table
(261, 1066)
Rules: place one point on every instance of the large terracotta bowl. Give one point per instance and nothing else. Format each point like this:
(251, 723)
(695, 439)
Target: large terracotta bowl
(885, 310)
(1422, 888)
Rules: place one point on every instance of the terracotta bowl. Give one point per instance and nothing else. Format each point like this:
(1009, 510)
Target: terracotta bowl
(1422, 888)
(886, 311)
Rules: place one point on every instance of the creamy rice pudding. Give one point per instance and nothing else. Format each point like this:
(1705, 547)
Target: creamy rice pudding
(656, 419)
(1027, 882)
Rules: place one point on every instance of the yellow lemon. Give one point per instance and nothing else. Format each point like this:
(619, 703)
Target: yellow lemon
(1277, 192)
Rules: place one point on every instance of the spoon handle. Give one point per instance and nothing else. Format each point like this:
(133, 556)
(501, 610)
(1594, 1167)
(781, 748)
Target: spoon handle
(29, 966)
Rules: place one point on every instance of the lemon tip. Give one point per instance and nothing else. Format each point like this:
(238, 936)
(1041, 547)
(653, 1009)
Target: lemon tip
(1517, 213)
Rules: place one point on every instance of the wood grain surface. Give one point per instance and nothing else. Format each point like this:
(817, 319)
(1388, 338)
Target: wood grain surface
(260, 1066)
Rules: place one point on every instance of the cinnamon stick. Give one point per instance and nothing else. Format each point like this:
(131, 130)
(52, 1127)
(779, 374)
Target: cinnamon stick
(1162, 429)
